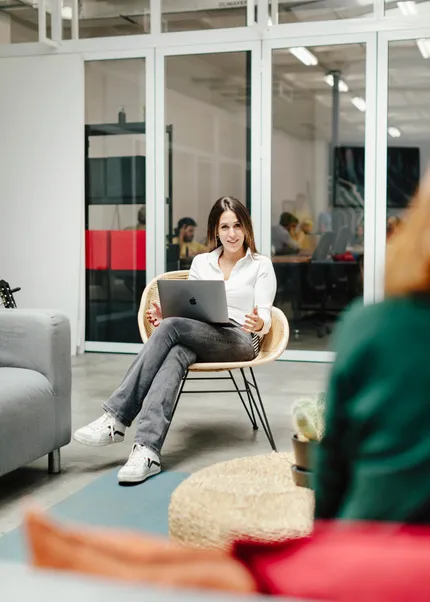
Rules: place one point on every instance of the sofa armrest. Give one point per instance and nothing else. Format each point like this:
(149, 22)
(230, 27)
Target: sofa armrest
(40, 340)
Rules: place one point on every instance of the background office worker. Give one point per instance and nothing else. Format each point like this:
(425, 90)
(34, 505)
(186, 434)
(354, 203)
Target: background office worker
(150, 386)
(185, 233)
(284, 235)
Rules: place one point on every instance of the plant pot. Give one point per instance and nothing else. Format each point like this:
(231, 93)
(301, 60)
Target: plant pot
(303, 453)
(302, 478)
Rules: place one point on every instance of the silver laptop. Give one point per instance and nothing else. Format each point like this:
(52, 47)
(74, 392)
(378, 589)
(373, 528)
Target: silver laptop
(203, 300)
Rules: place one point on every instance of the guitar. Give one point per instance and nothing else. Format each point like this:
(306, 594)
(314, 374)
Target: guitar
(6, 295)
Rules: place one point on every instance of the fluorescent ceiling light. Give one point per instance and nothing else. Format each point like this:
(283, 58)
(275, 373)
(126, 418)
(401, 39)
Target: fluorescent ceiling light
(359, 103)
(424, 47)
(305, 56)
(394, 132)
(343, 87)
(67, 13)
(407, 8)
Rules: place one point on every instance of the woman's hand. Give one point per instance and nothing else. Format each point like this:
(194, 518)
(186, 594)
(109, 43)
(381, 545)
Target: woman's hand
(154, 314)
(253, 322)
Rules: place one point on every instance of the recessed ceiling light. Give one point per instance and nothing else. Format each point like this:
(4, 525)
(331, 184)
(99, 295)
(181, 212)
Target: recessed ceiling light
(304, 55)
(343, 87)
(394, 132)
(359, 103)
(424, 47)
(407, 8)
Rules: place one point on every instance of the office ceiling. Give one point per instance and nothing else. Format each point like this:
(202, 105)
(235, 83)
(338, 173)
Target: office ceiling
(302, 100)
(128, 17)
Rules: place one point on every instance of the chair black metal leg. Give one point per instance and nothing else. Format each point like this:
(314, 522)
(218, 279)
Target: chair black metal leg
(179, 393)
(261, 418)
(265, 421)
(251, 414)
(250, 399)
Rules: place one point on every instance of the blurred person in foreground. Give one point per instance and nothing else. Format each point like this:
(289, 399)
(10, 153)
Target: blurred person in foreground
(372, 470)
(374, 460)
(393, 223)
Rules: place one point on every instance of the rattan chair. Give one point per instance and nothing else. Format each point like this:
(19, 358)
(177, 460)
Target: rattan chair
(273, 344)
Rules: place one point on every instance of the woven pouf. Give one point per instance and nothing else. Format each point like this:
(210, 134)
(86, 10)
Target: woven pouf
(246, 498)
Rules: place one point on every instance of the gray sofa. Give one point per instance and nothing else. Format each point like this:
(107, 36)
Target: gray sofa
(35, 387)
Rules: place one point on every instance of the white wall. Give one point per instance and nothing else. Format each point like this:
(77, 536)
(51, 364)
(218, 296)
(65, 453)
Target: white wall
(42, 182)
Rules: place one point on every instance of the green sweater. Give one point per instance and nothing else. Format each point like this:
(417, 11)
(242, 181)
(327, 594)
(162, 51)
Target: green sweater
(374, 460)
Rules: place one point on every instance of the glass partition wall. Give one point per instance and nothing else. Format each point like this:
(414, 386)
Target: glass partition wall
(214, 109)
(207, 112)
(116, 173)
(314, 113)
(403, 154)
(322, 135)
(318, 195)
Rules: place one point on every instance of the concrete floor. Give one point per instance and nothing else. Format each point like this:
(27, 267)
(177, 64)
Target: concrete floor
(206, 429)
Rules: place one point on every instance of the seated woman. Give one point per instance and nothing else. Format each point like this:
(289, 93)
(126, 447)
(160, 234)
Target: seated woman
(149, 388)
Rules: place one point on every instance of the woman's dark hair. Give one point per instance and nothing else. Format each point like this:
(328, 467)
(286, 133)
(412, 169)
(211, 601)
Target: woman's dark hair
(229, 203)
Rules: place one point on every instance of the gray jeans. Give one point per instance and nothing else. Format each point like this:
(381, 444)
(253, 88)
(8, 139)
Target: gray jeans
(152, 381)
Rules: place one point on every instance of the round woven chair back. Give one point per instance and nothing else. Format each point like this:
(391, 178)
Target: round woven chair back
(273, 344)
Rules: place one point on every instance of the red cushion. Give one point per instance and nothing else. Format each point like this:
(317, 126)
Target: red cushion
(96, 249)
(128, 250)
(362, 562)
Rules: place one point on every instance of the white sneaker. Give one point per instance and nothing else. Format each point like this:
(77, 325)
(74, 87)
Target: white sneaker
(142, 463)
(105, 430)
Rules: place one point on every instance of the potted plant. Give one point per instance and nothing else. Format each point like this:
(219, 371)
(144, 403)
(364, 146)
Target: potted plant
(308, 417)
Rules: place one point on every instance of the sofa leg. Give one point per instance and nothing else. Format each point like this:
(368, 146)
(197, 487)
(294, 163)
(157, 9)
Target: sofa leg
(54, 462)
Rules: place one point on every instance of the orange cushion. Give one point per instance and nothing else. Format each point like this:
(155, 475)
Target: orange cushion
(132, 557)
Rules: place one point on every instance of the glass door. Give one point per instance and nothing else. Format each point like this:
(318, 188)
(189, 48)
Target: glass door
(318, 156)
(403, 118)
(209, 128)
(118, 192)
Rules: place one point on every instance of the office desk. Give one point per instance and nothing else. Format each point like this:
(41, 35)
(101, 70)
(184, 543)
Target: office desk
(291, 259)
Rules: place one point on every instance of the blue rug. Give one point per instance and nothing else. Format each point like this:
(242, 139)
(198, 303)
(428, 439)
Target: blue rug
(103, 503)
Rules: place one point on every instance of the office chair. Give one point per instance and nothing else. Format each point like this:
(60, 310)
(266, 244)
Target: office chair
(342, 240)
(316, 289)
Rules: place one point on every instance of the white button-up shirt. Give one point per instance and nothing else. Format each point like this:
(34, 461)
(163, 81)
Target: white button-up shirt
(252, 282)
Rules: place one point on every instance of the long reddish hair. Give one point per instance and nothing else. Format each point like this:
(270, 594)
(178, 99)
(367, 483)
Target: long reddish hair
(408, 252)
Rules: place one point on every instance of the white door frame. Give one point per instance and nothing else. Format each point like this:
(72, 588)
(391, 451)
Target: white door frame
(370, 39)
(160, 125)
(149, 56)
